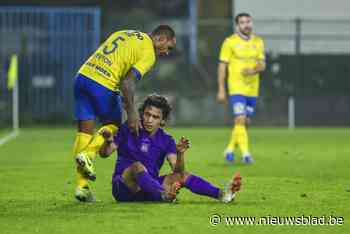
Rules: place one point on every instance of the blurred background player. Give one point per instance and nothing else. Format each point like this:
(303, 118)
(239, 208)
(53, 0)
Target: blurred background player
(136, 176)
(243, 55)
(115, 66)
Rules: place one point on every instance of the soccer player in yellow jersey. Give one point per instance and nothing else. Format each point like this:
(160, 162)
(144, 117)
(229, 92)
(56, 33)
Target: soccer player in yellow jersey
(242, 55)
(115, 66)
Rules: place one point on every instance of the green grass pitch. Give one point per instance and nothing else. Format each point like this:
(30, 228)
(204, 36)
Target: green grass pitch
(303, 172)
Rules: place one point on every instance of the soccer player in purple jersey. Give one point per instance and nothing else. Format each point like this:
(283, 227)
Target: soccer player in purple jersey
(136, 176)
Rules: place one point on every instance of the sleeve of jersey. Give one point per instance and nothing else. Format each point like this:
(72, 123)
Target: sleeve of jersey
(171, 148)
(121, 134)
(261, 55)
(225, 52)
(144, 64)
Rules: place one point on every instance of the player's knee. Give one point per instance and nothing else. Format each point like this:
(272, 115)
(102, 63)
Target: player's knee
(86, 126)
(241, 120)
(137, 167)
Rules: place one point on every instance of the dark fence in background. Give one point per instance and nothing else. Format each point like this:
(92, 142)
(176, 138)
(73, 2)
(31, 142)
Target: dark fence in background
(307, 59)
(51, 44)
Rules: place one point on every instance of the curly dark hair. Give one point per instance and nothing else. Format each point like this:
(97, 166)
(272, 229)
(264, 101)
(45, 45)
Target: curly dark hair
(157, 101)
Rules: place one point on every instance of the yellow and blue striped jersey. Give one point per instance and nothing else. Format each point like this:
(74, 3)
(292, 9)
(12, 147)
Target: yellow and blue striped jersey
(241, 54)
(122, 51)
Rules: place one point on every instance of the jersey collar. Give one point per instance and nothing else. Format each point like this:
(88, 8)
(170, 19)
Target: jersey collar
(243, 37)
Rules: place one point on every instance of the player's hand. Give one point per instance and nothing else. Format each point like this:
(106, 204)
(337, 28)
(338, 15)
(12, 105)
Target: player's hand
(106, 134)
(248, 72)
(182, 145)
(221, 97)
(134, 123)
(171, 191)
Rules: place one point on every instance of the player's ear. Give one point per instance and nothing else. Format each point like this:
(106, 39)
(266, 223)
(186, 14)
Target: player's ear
(162, 122)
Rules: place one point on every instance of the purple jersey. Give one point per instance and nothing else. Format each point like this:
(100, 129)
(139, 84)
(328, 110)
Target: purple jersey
(149, 150)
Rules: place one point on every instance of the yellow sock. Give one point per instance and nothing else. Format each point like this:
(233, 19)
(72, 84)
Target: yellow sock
(233, 141)
(82, 140)
(82, 181)
(242, 138)
(98, 140)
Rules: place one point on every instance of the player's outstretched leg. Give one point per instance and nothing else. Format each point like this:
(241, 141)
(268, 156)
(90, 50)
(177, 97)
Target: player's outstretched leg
(202, 187)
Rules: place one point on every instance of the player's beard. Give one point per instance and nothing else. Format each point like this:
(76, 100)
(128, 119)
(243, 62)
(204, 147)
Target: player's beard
(245, 32)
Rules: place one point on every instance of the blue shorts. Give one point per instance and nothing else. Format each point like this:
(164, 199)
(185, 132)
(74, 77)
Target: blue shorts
(93, 100)
(242, 105)
(122, 193)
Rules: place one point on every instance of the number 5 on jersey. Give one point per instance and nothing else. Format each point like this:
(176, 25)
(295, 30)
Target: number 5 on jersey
(114, 45)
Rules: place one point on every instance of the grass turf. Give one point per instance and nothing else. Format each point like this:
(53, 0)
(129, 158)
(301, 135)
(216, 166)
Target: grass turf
(302, 172)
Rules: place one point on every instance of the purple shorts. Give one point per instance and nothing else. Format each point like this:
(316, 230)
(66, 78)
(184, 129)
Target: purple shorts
(122, 193)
